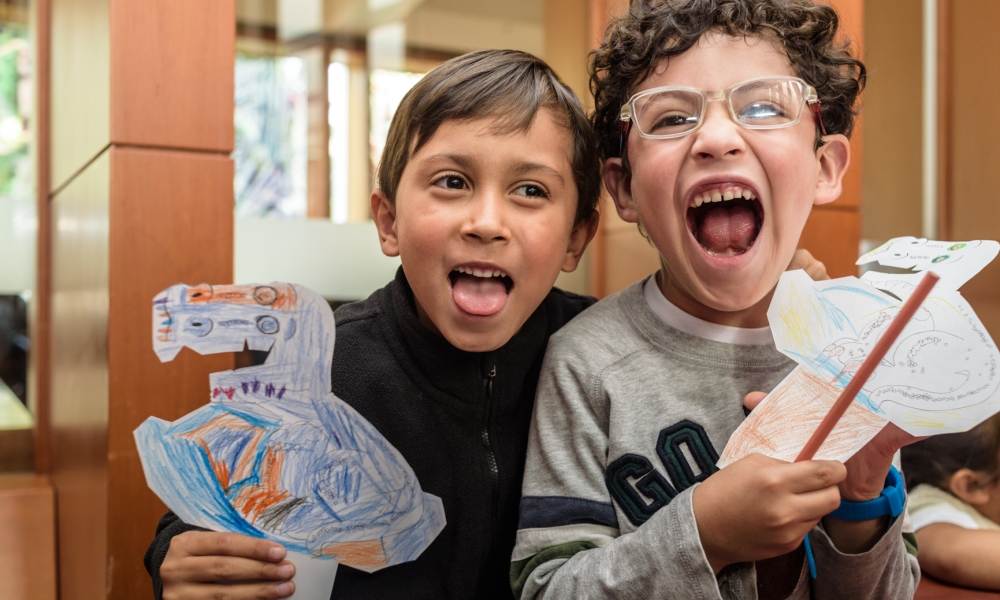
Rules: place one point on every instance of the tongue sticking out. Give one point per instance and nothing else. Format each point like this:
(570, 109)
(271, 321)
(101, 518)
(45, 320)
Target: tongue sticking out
(483, 296)
(727, 231)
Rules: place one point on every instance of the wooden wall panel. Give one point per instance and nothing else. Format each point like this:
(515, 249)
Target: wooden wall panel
(172, 73)
(40, 381)
(142, 125)
(892, 184)
(833, 232)
(79, 401)
(171, 222)
(833, 237)
(973, 144)
(80, 92)
(567, 29)
(629, 256)
(567, 41)
(27, 528)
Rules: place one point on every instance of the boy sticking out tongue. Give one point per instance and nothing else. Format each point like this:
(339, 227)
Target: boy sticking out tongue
(487, 190)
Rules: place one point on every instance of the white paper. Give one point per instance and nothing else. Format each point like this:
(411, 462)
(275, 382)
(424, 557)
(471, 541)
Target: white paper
(313, 576)
(274, 454)
(939, 376)
(954, 262)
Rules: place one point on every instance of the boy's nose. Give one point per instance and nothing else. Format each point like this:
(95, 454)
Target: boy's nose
(719, 136)
(485, 221)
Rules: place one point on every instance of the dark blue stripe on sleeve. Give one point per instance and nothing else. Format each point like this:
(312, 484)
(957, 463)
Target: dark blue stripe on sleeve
(555, 511)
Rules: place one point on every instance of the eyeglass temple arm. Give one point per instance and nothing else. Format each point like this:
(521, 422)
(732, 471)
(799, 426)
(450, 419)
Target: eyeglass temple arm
(819, 115)
(624, 125)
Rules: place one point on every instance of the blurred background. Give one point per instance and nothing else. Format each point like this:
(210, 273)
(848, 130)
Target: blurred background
(146, 143)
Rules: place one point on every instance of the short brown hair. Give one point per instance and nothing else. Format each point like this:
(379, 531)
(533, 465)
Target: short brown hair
(933, 461)
(511, 87)
(654, 30)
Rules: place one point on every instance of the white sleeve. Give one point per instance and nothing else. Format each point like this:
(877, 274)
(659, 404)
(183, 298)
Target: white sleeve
(942, 513)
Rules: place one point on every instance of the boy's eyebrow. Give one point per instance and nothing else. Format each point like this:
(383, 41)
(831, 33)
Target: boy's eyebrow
(459, 159)
(524, 168)
(521, 168)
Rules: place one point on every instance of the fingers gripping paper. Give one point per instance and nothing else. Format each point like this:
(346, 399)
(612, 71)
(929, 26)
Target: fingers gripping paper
(274, 454)
(940, 376)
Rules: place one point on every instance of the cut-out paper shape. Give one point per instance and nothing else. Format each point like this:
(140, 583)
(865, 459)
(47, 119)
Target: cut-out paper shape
(954, 262)
(275, 454)
(940, 376)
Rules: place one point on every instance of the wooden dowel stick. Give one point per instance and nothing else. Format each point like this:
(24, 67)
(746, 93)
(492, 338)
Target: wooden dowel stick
(868, 367)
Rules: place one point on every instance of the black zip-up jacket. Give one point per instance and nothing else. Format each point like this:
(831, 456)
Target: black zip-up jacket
(460, 419)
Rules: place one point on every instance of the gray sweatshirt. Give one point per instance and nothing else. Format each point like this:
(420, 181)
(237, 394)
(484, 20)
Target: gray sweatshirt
(630, 416)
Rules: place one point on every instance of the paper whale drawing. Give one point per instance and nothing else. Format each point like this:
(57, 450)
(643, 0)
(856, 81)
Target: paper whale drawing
(275, 454)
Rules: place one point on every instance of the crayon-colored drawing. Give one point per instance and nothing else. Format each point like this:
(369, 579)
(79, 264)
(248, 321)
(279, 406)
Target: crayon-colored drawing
(275, 454)
(802, 399)
(940, 376)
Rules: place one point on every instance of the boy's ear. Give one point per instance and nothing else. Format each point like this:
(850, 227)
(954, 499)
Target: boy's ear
(618, 182)
(384, 215)
(579, 238)
(967, 486)
(834, 156)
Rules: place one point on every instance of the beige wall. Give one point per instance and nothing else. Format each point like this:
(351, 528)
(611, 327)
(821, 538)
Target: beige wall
(974, 143)
(891, 186)
(566, 25)
(969, 154)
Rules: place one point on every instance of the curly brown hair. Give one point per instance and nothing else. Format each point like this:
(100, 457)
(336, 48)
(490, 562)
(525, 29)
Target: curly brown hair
(654, 30)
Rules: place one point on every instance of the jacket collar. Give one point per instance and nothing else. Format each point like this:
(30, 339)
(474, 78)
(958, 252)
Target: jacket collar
(455, 376)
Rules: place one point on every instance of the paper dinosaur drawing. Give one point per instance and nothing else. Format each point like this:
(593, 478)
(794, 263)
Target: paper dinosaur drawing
(940, 376)
(275, 454)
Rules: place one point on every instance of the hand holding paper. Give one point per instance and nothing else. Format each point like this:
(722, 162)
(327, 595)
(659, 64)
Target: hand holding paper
(275, 455)
(939, 376)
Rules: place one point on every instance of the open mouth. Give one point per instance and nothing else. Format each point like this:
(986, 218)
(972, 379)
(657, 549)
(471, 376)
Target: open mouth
(725, 220)
(480, 291)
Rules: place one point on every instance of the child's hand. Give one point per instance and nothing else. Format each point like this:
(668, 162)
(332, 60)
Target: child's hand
(866, 473)
(868, 468)
(761, 507)
(802, 259)
(199, 561)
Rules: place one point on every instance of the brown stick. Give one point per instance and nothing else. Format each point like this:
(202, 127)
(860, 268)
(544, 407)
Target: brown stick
(868, 367)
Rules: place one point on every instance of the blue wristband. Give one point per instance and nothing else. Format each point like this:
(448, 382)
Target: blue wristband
(890, 502)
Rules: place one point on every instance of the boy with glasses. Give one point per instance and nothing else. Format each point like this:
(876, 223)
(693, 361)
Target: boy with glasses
(722, 122)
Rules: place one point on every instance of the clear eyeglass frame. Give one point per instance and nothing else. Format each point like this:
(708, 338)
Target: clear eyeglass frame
(808, 95)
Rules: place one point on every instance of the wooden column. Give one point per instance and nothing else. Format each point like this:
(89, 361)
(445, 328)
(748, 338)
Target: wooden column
(833, 232)
(568, 40)
(893, 108)
(969, 85)
(27, 555)
(141, 130)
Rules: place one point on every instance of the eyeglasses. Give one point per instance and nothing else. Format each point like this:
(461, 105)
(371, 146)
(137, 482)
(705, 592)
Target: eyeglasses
(673, 111)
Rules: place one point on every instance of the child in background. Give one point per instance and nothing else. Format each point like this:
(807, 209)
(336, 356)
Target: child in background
(722, 123)
(487, 189)
(954, 482)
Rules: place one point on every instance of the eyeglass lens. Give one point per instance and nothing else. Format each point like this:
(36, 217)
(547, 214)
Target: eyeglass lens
(756, 104)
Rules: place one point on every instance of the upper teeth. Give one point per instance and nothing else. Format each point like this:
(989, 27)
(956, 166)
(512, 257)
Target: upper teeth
(721, 195)
(481, 272)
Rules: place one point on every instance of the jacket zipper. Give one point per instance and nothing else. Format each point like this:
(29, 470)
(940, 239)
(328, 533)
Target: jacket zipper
(490, 456)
